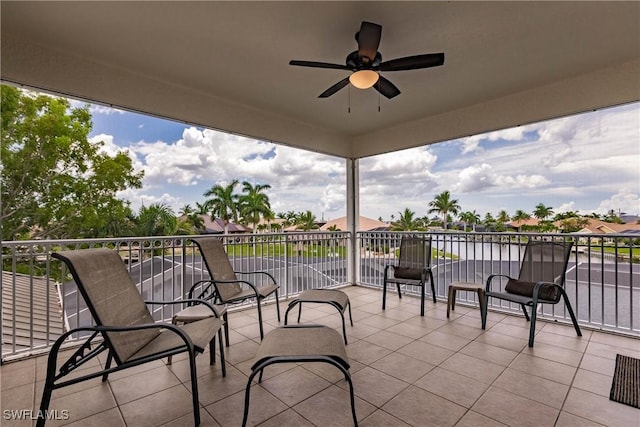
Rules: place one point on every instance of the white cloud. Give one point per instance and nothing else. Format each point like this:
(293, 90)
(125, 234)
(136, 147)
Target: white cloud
(623, 201)
(484, 177)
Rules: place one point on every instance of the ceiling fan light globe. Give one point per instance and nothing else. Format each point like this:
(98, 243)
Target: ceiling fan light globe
(364, 79)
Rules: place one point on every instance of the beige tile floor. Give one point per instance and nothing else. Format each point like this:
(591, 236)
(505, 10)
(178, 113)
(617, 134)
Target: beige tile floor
(406, 370)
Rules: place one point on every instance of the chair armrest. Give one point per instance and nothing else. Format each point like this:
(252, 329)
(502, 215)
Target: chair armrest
(538, 286)
(251, 285)
(490, 278)
(257, 272)
(206, 291)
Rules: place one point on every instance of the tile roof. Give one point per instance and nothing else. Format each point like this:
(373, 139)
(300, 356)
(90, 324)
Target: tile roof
(19, 300)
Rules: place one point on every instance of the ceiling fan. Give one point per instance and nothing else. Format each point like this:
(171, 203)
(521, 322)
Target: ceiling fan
(366, 64)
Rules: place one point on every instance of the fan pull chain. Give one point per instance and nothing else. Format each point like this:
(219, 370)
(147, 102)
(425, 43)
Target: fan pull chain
(378, 102)
(349, 107)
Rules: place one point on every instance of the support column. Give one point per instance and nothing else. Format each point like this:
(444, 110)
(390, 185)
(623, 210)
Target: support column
(353, 215)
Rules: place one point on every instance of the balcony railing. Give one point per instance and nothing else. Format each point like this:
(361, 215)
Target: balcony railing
(39, 299)
(602, 280)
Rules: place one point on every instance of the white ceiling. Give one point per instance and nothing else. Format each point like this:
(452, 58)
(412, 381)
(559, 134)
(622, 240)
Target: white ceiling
(224, 65)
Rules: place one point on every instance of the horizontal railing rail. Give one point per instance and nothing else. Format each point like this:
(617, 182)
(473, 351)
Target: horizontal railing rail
(602, 279)
(39, 299)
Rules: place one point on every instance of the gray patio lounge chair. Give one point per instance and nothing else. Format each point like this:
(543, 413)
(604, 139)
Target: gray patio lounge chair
(225, 287)
(124, 327)
(413, 268)
(540, 281)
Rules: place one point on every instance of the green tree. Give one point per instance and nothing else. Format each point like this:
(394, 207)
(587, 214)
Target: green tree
(254, 203)
(55, 183)
(489, 221)
(223, 203)
(190, 221)
(613, 216)
(406, 222)
(444, 204)
(156, 219)
(521, 215)
(470, 217)
(501, 220)
(542, 212)
(306, 221)
(573, 224)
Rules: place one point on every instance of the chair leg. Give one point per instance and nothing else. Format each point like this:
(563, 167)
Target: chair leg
(107, 365)
(483, 311)
(212, 349)
(399, 293)
(433, 287)
(422, 285)
(384, 294)
(48, 386)
(260, 320)
(571, 313)
(481, 301)
(350, 318)
(277, 306)
(532, 327)
(222, 361)
(286, 313)
(524, 310)
(225, 317)
(299, 311)
(194, 388)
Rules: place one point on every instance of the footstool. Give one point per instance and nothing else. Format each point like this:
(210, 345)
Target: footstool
(298, 344)
(464, 286)
(336, 298)
(201, 311)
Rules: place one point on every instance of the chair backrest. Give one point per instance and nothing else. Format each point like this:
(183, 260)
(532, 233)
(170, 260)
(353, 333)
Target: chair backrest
(545, 262)
(111, 296)
(415, 252)
(220, 269)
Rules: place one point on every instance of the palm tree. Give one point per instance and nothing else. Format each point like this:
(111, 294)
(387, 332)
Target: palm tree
(156, 220)
(444, 204)
(470, 217)
(503, 218)
(489, 221)
(406, 222)
(542, 212)
(254, 203)
(223, 203)
(192, 218)
(520, 215)
(306, 221)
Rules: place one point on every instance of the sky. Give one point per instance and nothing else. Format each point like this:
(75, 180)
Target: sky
(585, 163)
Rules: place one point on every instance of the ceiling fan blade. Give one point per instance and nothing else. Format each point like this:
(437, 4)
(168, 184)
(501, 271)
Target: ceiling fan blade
(318, 65)
(333, 89)
(386, 88)
(413, 62)
(368, 40)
